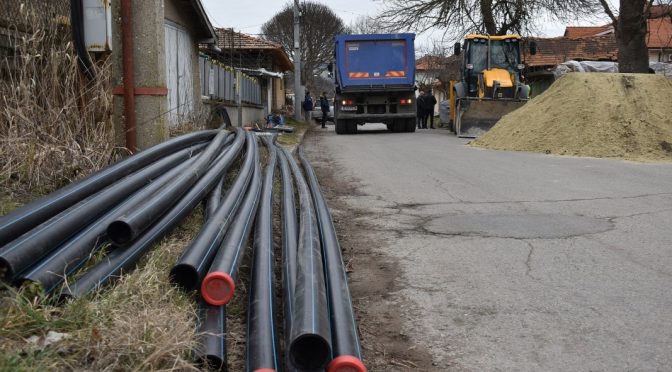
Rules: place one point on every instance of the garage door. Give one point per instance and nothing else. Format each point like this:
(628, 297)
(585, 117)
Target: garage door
(179, 73)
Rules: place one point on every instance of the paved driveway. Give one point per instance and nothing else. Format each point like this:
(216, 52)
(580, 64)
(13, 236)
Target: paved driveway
(513, 261)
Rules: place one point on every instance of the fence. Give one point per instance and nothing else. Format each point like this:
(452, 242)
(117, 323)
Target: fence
(218, 81)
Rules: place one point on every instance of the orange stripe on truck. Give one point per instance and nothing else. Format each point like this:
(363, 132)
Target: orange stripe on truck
(395, 74)
(358, 75)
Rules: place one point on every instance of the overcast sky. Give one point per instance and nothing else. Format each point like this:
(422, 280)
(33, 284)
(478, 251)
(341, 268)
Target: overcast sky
(249, 17)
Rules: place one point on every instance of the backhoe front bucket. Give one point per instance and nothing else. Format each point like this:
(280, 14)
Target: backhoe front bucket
(476, 116)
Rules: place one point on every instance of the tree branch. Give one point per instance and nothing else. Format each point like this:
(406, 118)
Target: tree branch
(607, 10)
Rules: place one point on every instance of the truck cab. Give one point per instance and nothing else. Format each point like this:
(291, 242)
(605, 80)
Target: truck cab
(374, 76)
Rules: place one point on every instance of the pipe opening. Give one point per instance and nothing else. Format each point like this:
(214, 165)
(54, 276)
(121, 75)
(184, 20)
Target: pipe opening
(185, 276)
(120, 232)
(309, 352)
(211, 362)
(6, 272)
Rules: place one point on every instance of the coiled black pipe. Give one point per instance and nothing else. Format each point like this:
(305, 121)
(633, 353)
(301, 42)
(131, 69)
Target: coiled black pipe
(290, 233)
(69, 257)
(310, 337)
(27, 217)
(122, 260)
(218, 286)
(128, 227)
(194, 262)
(347, 353)
(32, 246)
(262, 342)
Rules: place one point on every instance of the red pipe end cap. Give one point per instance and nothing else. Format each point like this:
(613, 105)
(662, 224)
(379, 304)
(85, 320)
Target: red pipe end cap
(346, 363)
(217, 288)
(265, 370)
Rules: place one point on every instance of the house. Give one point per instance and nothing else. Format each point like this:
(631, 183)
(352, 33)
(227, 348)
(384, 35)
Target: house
(658, 37)
(554, 51)
(259, 59)
(186, 27)
(436, 72)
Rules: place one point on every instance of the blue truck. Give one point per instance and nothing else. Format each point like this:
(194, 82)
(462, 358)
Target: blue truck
(375, 82)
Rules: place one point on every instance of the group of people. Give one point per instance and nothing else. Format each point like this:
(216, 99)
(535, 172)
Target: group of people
(425, 102)
(308, 107)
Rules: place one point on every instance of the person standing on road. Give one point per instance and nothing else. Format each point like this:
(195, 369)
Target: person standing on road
(420, 107)
(307, 106)
(430, 102)
(324, 105)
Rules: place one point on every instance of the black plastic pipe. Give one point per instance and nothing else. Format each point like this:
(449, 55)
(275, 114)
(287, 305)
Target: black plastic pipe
(310, 337)
(123, 260)
(32, 246)
(69, 257)
(128, 227)
(262, 341)
(290, 233)
(194, 262)
(213, 199)
(211, 350)
(27, 217)
(346, 349)
(218, 286)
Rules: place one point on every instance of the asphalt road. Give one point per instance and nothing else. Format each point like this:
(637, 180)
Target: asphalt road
(515, 261)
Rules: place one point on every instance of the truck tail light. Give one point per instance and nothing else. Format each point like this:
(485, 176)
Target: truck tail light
(405, 101)
(348, 102)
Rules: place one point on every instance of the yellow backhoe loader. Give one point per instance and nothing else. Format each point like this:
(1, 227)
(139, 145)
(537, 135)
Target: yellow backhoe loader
(490, 86)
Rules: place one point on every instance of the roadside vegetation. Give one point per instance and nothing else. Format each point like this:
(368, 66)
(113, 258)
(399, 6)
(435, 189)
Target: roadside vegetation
(55, 126)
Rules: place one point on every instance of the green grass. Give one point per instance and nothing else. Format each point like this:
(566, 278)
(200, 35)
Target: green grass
(293, 139)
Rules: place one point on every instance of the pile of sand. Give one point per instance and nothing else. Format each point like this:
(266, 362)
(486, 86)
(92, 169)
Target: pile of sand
(627, 116)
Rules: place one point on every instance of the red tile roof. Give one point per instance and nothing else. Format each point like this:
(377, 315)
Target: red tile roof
(659, 28)
(227, 38)
(660, 33)
(575, 32)
(553, 51)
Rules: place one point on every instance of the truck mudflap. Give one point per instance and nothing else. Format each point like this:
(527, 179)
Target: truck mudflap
(476, 116)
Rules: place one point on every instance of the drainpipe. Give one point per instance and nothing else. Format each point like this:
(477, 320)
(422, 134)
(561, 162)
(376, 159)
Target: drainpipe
(128, 70)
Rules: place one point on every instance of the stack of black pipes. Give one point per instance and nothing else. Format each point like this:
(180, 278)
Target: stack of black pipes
(126, 208)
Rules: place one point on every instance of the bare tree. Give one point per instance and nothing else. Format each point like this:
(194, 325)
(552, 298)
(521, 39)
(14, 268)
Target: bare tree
(495, 17)
(319, 25)
(630, 25)
(366, 25)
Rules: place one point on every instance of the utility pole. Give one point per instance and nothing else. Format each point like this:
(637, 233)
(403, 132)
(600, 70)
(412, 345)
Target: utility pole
(298, 92)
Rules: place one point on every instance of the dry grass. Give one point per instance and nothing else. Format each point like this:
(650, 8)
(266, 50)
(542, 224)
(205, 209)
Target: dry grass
(142, 323)
(54, 126)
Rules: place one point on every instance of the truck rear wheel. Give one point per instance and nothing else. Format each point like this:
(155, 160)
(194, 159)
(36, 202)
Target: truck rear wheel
(410, 125)
(341, 126)
(352, 127)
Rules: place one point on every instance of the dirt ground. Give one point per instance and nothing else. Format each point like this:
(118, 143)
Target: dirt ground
(385, 346)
